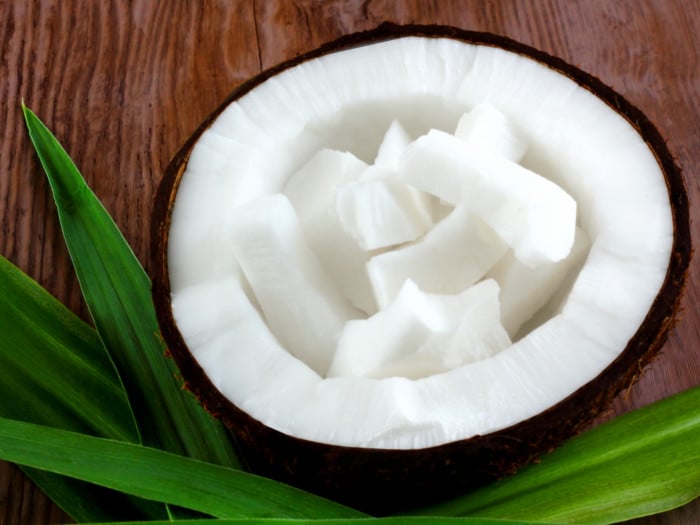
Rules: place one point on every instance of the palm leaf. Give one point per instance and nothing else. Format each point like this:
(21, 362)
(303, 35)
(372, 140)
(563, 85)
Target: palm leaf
(160, 476)
(54, 371)
(429, 520)
(641, 463)
(117, 292)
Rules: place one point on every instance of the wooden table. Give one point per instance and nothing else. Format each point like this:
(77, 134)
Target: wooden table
(122, 84)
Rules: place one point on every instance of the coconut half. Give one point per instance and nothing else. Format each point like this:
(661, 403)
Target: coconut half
(382, 193)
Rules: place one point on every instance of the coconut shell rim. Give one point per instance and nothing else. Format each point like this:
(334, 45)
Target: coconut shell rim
(525, 440)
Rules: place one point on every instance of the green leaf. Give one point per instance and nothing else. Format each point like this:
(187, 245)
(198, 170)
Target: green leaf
(54, 371)
(429, 520)
(118, 294)
(642, 463)
(161, 476)
(90, 503)
(53, 366)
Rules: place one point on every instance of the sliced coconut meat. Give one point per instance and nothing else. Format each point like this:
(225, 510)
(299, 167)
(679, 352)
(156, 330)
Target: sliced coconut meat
(530, 213)
(488, 131)
(453, 255)
(390, 150)
(383, 212)
(288, 280)
(578, 147)
(311, 190)
(524, 290)
(421, 334)
(395, 141)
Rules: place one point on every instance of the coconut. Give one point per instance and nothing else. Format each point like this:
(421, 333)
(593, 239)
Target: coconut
(411, 261)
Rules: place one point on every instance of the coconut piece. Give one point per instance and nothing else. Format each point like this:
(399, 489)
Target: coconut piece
(383, 212)
(311, 191)
(453, 255)
(419, 334)
(487, 130)
(401, 327)
(393, 144)
(525, 290)
(288, 280)
(531, 214)
(311, 188)
(478, 335)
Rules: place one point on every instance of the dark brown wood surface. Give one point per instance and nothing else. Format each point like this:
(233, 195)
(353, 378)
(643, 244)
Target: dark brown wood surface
(123, 83)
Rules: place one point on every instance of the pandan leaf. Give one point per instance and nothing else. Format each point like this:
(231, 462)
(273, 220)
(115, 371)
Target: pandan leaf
(428, 520)
(85, 502)
(53, 366)
(641, 463)
(54, 371)
(160, 476)
(118, 294)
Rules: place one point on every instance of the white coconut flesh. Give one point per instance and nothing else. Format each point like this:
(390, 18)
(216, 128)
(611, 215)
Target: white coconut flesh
(414, 242)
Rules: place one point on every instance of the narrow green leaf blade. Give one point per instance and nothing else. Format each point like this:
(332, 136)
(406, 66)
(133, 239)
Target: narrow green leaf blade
(428, 520)
(90, 503)
(641, 463)
(53, 366)
(54, 371)
(161, 476)
(117, 292)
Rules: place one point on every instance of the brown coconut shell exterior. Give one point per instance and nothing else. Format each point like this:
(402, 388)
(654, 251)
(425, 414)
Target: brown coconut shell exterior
(383, 481)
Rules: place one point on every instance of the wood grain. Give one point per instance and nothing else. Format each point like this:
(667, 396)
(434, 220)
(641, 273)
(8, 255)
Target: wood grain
(122, 84)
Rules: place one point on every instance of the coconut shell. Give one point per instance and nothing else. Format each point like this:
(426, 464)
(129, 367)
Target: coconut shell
(381, 481)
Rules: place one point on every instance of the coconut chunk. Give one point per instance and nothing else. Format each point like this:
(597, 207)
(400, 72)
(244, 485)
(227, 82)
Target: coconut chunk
(393, 144)
(401, 327)
(479, 334)
(453, 255)
(303, 309)
(383, 212)
(531, 214)
(525, 290)
(311, 190)
(487, 130)
(420, 334)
